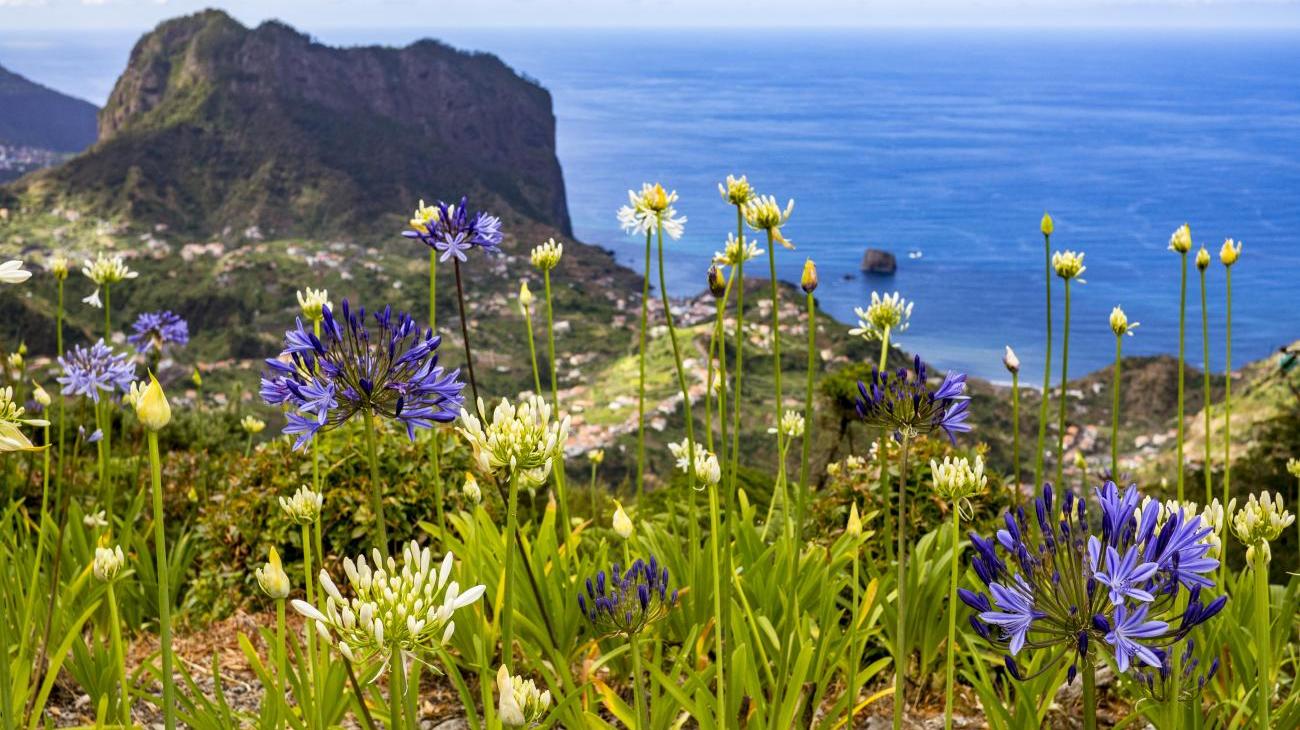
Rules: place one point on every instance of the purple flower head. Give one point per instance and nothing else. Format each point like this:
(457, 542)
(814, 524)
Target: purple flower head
(454, 231)
(1018, 613)
(153, 330)
(388, 368)
(89, 370)
(627, 602)
(1122, 575)
(903, 402)
(1126, 628)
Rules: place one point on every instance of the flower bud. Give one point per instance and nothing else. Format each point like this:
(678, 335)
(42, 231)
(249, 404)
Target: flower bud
(312, 302)
(1068, 264)
(1202, 259)
(272, 578)
(596, 456)
(656, 198)
(525, 295)
(59, 265)
(1293, 467)
(1119, 323)
(1010, 361)
(1181, 240)
(471, 489)
(108, 563)
(197, 378)
(547, 255)
(736, 191)
(252, 424)
(1046, 225)
(41, 396)
(622, 523)
(717, 282)
(152, 408)
(303, 508)
(1230, 252)
(854, 527)
(809, 279)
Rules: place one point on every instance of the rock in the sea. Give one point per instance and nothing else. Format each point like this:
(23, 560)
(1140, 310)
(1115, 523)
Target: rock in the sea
(876, 261)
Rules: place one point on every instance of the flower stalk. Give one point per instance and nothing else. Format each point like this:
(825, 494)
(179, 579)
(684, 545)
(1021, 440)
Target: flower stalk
(900, 625)
(640, 401)
(1203, 263)
(1046, 226)
(154, 413)
(809, 285)
(1228, 256)
(1181, 243)
(1068, 265)
(380, 540)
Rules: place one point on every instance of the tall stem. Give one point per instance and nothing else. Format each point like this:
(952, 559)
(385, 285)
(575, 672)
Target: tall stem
(7, 710)
(1227, 393)
(720, 658)
(1205, 384)
(532, 348)
(776, 348)
(1065, 374)
(313, 666)
(1263, 639)
(507, 616)
(852, 689)
(900, 626)
(58, 339)
(376, 490)
(464, 334)
(1047, 367)
(558, 470)
(740, 353)
(1089, 695)
(805, 456)
(640, 401)
(950, 648)
(119, 658)
(1182, 361)
(108, 319)
(642, 711)
(1015, 434)
(397, 691)
(435, 445)
(1114, 410)
(164, 593)
(281, 673)
(884, 350)
(681, 378)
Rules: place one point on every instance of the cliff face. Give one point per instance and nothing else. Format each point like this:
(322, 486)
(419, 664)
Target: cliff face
(214, 126)
(34, 116)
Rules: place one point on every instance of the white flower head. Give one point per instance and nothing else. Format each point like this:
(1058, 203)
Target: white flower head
(706, 467)
(1293, 467)
(736, 191)
(304, 507)
(1181, 240)
(1068, 265)
(93, 300)
(104, 270)
(734, 252)
(404, 605)
(522, 439)
(312, 302)
(1260, 521)
(12, 272)
(521, 704)
(649, 209)
(888, 313)
(762, 213)
(621, 523)
(12, 416)
(1229, 252)
(95, 520)
(958, 479)
(252, 424)
(792, 425)
(1119, 323)
(108, 563)
(58, 265)
(546, 256)
(272, 579)
(1010, 361)
(471, 489)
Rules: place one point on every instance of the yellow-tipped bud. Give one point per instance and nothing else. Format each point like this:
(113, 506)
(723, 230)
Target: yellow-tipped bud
(59, 266)
(547, 255)
(40, 395)
(108, 562)
(809, 279)
(1181, 241)
(656, 198)
(252, 424)
(272, 578)
(717, 282)
(622, 523)
(1119, 323)
(525, 295)
(854, 527)
(152, 408)
(1230, 252)
(596, 456)
(1202, 259)
(471, 489)
(1068, 264)
(1046, 225)
(197, 378)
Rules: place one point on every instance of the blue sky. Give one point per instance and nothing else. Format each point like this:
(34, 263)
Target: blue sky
(426, 14)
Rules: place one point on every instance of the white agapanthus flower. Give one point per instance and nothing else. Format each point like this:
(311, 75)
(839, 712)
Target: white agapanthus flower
(649, 209)
(733, 253)
(93, 300)
(12, 272)
(521, 704)
(108, 563)
(312, 302)
(890, 312)
(1260, 521)
(405, 606)
(12, 416)
(471, 489)
(546, 256)
(304, 507)
(104, 270)
(272, 579)
(792, 425)
(736, 190)
(958, 479)
(621, 523)
(707, 469)
(521, 439)
(763, 213)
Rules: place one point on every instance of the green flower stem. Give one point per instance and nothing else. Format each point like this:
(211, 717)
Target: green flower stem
(7, 715)
(164, 593)
(1089, 695)
(1015, 434)
(1263, 639)
(851, 689)
(884, 350)
(1227, 394)
(1182, 362)
(1205, 383)
(248, 446)
(396, 690)
(313, 665)
(360, 694)
(119, 658)
(740, 356)
(642, 711)
(108, 320)
(507, 614)
(101, 453)
(435, 445)
(464, 334)
(900, 626)
(376, 490)
(805, 456)
(592, 490)
(558, 470)
(681, 382)
(776, 351)
(640, 401)
(1047, 369)
(950, 649)
(281, 672)
(720, 658)
(433, 289)
(1114, 409)
(532, 349)
(1065, 374)
(58, 339)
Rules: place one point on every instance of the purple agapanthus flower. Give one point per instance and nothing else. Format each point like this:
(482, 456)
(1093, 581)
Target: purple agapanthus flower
(903, 402)
(389, 369)
(1126, 629)
(1056, 577)
(153, 330)
(624, 603)
(454, 231)
(91, 370)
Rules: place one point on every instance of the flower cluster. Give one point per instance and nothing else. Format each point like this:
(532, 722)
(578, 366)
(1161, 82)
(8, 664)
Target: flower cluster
(624, 603)
(391, 371)
(958, 479)
(650, 209)
(734, 252)
(762, 213)
(89, 370)
(155, 329)
(1068, 265)
(452, 231)
(108, 563)
(1181, 240)
(707, 469)
(903, 402)
(252, 425)
(11, 416)
(58, 265)
(404, 606)
(546, 256)
(104, 271)
(1293, 467)
(303, 508)
(736, 191)
(1259, 522)
(272, 579)
(791, 426)
(522, 440)
(1075, 590)
(521, 704)
(1119, 323)
(313, 303)
(889, 313)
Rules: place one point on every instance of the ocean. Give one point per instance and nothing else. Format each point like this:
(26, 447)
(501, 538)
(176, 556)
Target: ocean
(947, 143)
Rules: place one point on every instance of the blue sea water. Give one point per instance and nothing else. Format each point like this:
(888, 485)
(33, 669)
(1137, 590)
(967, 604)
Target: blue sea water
(952, 143)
